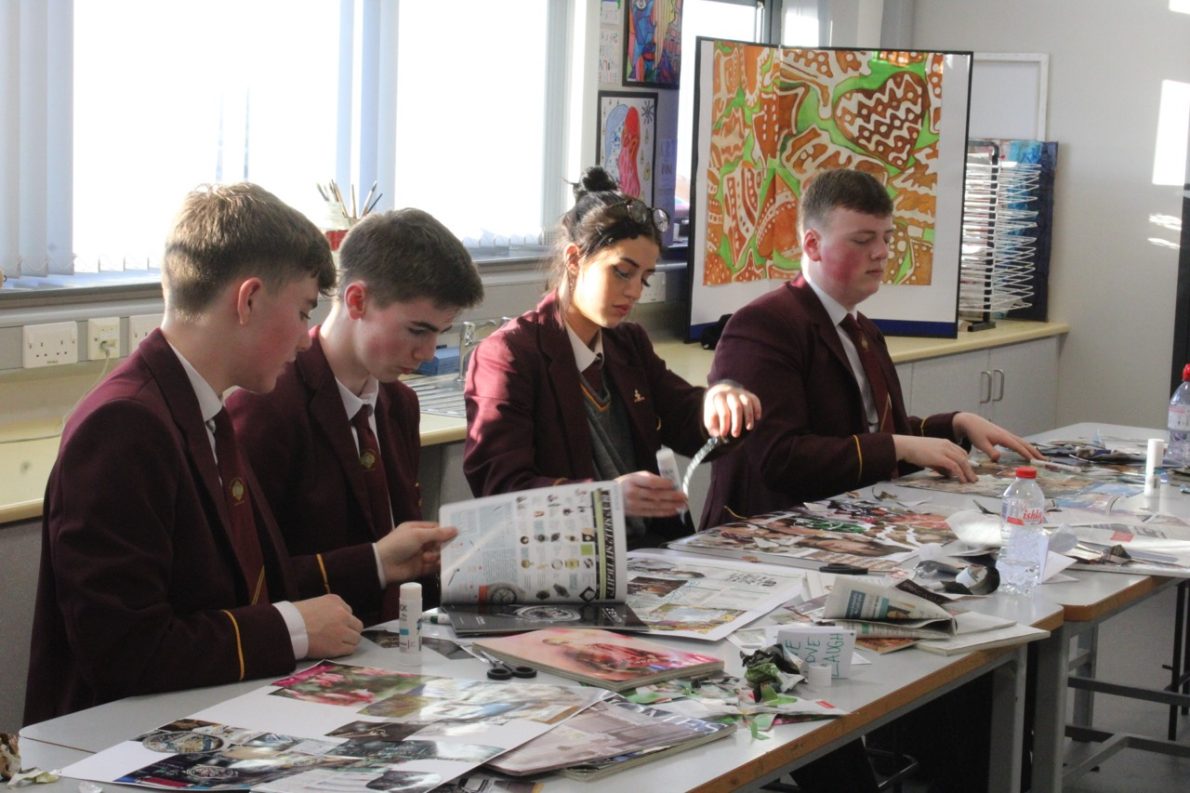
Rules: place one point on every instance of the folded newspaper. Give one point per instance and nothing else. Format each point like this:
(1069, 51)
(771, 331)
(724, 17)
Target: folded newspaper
(538, 558)
(905, 610)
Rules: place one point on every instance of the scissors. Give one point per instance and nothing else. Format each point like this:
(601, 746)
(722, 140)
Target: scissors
(502, 671)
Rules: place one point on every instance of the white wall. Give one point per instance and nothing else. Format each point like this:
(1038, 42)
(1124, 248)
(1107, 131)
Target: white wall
(1113, 285)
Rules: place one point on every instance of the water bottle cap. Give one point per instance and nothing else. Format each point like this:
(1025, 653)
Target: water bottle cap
(1026, 472)
(1186, 372)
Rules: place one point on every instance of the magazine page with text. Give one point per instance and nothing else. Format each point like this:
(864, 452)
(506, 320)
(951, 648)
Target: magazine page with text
(563, 544)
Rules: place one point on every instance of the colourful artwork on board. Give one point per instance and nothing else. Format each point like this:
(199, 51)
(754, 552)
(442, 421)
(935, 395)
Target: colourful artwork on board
(653, 42)
(626, 145)
(780, 115)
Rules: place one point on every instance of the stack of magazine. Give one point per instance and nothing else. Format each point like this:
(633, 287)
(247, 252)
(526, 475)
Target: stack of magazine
(909, 610)
(607, 737)
(599, 657)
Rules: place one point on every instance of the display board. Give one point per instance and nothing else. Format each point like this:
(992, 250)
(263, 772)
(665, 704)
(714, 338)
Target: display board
(768, 118)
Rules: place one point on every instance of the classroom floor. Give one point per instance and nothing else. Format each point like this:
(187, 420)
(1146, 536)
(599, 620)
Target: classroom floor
(1132, 647)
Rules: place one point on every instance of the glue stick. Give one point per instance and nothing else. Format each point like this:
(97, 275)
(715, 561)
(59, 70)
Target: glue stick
(409, 647)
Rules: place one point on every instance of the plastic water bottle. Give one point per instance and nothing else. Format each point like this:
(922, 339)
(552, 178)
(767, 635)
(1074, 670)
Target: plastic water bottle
(1024, 542)
(1178, 425)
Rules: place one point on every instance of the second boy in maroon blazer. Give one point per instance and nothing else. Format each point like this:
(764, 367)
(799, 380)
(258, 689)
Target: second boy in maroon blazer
(404, 279)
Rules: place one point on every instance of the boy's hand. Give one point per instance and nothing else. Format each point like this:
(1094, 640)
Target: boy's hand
(728, 409)
(939, 454)
(332, 630)
(413, 549)
(986, 436)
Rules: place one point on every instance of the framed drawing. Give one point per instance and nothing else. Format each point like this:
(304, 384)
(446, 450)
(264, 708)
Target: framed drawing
(626, 142)
(652, 42)
(768, 118)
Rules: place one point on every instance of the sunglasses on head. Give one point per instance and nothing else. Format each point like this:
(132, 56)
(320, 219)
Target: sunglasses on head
(639, 212)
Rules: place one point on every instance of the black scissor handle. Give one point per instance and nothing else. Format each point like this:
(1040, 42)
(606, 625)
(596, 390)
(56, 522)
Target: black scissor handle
(499, 672)
(503, 671)
(522, 671)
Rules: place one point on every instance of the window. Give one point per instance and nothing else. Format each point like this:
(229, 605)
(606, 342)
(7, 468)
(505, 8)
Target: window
(471, 75)
(445, 105)
(168, 95)
(721, 19)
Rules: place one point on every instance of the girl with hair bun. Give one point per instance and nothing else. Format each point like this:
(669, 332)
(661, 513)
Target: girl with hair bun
(571, 391)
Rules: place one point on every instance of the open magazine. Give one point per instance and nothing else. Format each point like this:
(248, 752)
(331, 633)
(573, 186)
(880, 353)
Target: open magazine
(340, 727)
(906, 610)
(610, 736)
(536, 558)
(877, 535)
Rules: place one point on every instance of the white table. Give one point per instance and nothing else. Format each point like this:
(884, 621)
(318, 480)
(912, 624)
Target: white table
(875, 694)
(1087, 602)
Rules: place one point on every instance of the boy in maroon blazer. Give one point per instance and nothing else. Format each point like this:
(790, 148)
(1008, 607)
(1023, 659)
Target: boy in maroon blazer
(835, 419)
(161, 566)
(834, 415)
(335, 445)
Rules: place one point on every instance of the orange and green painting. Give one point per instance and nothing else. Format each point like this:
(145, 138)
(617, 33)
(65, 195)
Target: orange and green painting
(780, 115)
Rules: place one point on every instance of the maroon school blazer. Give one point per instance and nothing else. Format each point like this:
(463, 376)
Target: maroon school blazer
(526, 425)
(139, 588)
(299, 441)
(813, 441)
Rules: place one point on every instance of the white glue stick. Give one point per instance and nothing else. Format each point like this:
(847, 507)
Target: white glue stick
(667, 466)
(1153, 458)
(409, 647)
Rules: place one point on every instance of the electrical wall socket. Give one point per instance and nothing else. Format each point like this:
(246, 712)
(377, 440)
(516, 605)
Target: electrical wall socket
(140, 326)
(53, 344)
(103, 338)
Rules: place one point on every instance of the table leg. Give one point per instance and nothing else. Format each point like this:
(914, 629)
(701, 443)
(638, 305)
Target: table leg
(1049, 711)
(1008, 724)
(1084, 701)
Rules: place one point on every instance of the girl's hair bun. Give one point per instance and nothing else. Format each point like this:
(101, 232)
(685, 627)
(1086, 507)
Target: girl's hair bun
(595, 180)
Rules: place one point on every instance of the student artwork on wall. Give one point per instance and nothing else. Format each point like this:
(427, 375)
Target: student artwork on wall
(626, 143)
(652, 42)
(768, 118)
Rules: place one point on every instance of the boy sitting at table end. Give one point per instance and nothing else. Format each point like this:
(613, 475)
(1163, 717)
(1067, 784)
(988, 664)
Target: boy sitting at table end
(162, 567)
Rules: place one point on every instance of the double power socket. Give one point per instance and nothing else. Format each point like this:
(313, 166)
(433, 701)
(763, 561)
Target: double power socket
(58, 343)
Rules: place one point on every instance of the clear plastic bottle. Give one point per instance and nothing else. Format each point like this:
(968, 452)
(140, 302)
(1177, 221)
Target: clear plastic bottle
(1024, 541)
(1178, 425)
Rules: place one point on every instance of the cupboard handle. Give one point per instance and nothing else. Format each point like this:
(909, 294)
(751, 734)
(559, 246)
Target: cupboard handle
(999, 392)
(985, 387)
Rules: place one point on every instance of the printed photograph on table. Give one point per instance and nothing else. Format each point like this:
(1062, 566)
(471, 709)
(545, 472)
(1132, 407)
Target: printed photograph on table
(994, 478)
(770, 118)
(203, 755)
(704, 598)
(332, 683)
(626, 142)
(874, 535)
(442, 699)
(653, 42)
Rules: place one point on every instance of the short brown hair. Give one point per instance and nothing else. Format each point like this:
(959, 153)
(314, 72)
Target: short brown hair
(225, 232)
(843, 187)
(406, 254)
